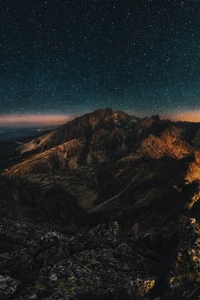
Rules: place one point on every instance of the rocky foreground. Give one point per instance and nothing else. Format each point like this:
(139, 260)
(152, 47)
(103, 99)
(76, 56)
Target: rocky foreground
(50, 249)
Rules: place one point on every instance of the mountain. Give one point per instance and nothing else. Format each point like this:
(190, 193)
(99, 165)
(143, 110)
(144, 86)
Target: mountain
(106, 156)
(104, 207)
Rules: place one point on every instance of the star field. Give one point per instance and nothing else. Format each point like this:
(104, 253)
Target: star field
(66, 57)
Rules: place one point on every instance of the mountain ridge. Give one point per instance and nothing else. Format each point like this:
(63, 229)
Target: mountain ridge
(102, 145)
(103, 207)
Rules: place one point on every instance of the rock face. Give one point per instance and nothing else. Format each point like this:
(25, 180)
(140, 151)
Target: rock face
(50, 261)
(44, 259)
(104, 207)
(184, 276)
(8, 287)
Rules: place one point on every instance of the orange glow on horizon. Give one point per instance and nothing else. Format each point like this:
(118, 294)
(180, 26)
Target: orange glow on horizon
(28, 120)
(188, 115)
(33, 120)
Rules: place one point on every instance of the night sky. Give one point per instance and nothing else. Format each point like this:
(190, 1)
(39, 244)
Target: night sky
(69, 57)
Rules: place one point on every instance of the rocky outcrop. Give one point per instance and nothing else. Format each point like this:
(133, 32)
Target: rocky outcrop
(184, 275)
(169, 143)
(8, 287)
(42, 259)
(49, 249)
(92, 264)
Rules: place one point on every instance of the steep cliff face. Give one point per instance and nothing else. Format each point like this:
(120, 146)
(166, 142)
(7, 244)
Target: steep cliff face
(170, 143)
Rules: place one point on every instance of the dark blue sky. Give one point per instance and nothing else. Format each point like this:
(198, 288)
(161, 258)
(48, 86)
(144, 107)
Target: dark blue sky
(59, 56)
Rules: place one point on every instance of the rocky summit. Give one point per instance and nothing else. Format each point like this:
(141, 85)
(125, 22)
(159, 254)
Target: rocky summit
(104, 207)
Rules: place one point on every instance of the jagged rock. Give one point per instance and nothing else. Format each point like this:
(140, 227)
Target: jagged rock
(94, 263)
(141, 287)
(184, 275)
(8, 286)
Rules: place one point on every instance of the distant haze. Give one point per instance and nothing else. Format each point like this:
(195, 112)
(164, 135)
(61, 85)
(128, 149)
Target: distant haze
(36, 120)
(33, 120)
(187, 115)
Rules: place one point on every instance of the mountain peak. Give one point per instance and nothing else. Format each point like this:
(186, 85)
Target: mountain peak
(155, 118)
(103, 112)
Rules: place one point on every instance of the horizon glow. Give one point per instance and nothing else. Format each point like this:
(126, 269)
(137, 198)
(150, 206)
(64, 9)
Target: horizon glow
(186, 115)
(28, 120)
